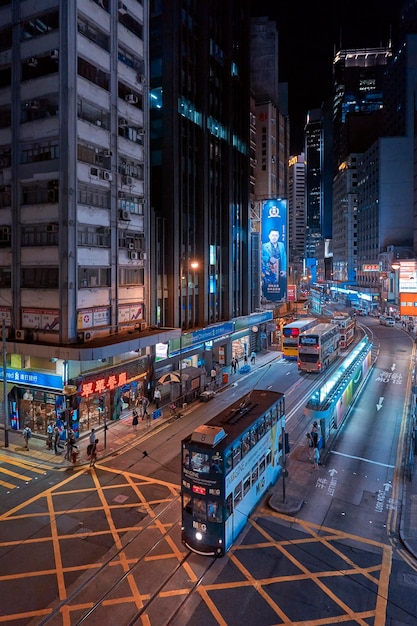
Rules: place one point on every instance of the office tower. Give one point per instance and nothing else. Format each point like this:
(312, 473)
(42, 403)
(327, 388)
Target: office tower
(296, 215)
(74, 227)
(200, 112)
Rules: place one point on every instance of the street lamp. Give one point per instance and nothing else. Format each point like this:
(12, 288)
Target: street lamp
(396, 267)
(184, 305)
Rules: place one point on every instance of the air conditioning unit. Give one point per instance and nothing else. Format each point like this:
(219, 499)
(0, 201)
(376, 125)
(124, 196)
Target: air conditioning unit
(127, 180)
(124, 215)
(123, 122)
(54, 54)
(107, 176)
(122, 8)
(131, 246)
(20, 335)
(34, 105)
(131, 98)
(140, 78)
(143, 256)
(107, 153)
(33, 62)
(133, 255)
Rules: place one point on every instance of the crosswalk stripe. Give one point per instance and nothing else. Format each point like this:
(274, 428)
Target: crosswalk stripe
(8, 485)
(25, 464)
(3, 470)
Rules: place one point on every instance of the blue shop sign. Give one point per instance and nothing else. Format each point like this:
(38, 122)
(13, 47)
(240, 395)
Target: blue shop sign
(212, 332)
(33, 379)
(251, 320)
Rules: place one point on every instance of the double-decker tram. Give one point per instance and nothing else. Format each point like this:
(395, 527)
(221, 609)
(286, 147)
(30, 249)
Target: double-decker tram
(347, 326)
(290, 334)
(227, 466)
(318, 347)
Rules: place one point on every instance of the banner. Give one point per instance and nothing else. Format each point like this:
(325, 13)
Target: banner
(274, 250)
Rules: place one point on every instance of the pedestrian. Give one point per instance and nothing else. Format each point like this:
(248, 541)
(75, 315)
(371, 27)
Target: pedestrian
(92, 437)
(253, 357)
(93, 453)
(315, 434)
(316, 458)
(49, 435)
(245, 358)
(135, 419)
(157, 397)
(27, 434)
(145, 404)
(213, 374)
(56, 439)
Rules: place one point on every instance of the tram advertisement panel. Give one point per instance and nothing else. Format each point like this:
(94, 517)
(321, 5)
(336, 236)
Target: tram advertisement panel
(274, 250)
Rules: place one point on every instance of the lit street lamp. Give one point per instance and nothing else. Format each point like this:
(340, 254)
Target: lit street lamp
(185, 287)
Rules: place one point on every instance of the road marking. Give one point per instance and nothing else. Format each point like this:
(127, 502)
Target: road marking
(359, 458)
(8, 485)
(3, 470)
(26, 464)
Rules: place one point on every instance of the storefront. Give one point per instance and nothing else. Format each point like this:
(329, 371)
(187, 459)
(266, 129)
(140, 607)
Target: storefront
(105, 394)
(34, 399)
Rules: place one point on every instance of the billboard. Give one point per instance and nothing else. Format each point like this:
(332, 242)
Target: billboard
(274, 250)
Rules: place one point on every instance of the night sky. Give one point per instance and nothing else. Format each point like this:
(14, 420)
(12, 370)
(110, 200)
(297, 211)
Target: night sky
(310, 33)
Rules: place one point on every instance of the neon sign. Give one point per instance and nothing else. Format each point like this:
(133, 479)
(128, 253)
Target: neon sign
(107, 383)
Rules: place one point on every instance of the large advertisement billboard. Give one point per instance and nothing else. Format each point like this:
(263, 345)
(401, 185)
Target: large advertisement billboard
(274, 250)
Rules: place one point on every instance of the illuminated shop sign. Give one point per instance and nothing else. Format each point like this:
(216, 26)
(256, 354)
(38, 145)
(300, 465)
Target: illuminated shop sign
(100, 385)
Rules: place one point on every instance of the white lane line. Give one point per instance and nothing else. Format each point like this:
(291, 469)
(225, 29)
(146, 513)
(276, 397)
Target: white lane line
(359, 458)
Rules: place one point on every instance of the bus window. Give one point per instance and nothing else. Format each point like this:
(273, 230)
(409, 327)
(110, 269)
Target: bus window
(237, 495)
(237, 455)
(229, 461)
(214, 511)
(199, 509)
(245, 444)
(200, 462)
(229, 505)
(254, 474)
(186, 503)
(246, 484)
(262, 465)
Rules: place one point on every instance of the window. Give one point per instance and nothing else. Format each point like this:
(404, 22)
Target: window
(93, 74)
(214, 511)
(44, 151)
(237, 495)
(254, 474)
(131, 276)
(5, 236)
(94, 236)
(246, 484)
(40, 277)
(40, 234)
(200, 462)
(5, 277)
(199, 509)
(94, 34)
(237, 455)
(37, 26)
(90, 277)
(93, 196)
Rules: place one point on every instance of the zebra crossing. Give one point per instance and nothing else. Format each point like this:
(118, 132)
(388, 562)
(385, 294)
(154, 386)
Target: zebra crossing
(15, 473)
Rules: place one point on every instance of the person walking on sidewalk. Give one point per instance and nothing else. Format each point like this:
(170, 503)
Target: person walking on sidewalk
(93, 454)
(157, 397)
(253, 357)
(316, 458)
(145, 404)
(135, 419)
(50, 435)
(56, 439)
(27, 434)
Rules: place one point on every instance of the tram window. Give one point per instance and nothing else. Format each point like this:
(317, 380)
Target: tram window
(274, 414)
(214, 511)
(268, 422)
(261, 428)
(237, 495)
(229, 461)
(186, 503)
(253, 437)
(216, 465)
(199, 509)
(200, 462)
(245, 444)
(185, 458)
(246, 484)
(254, 474)
(237, 455)
(269, 457)
(262, 465)
(229, 505)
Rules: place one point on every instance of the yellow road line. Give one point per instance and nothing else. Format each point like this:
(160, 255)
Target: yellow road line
(8, 485)
(27, 464)
(3, 470)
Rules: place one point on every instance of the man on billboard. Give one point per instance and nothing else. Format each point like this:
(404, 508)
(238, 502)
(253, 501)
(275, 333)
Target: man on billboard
(274, 254)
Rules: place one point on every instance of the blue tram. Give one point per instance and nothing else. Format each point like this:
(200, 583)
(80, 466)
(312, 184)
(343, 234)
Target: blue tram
(227, 466)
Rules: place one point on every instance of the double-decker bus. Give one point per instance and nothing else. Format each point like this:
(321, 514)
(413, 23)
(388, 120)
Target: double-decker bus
(290, 334)
(347, 326)
(227, 466)
(318, 347)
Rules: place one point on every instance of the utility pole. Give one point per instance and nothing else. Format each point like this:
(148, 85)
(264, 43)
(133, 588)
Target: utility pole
(6, 402)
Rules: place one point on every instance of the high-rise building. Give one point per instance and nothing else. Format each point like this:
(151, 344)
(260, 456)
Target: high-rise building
(296, 215)
(74, 233)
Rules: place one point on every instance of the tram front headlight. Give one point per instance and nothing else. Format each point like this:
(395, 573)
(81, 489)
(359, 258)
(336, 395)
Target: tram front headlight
(198, 536)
